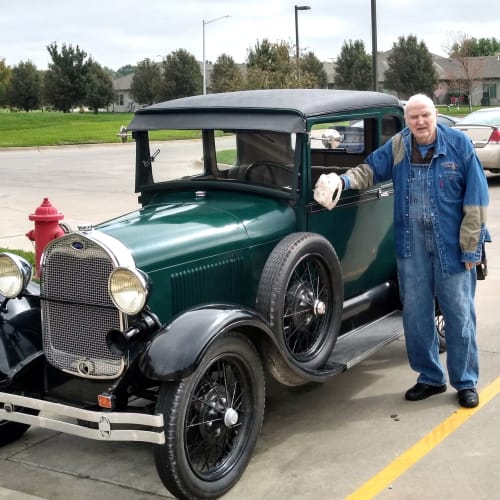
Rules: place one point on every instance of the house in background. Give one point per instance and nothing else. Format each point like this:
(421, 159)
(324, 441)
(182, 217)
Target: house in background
(124, 102)
(454, 78)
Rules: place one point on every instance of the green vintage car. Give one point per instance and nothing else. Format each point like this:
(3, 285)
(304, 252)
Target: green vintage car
(157, 326)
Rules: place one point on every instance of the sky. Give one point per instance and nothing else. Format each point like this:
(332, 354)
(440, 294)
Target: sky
(120, 32)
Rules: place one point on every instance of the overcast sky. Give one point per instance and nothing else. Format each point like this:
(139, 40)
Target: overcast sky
(120, 32)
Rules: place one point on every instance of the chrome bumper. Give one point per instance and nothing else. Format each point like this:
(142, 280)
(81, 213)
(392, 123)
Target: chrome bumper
(66, 419)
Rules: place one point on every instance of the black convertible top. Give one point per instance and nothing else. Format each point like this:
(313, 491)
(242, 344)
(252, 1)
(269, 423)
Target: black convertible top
(284, 110)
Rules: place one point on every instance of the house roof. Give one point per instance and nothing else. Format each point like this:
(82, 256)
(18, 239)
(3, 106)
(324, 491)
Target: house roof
(449, 69)
(123, 83)
(479, 67)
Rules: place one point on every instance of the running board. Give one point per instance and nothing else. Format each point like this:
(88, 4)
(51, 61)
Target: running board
(357, 345)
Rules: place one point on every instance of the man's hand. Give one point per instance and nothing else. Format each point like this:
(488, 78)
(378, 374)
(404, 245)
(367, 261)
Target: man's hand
(328, 190)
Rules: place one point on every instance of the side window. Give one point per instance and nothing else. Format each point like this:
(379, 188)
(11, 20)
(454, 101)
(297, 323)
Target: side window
(390, 126)
(342, 136)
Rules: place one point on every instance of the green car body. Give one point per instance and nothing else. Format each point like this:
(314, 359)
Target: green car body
(228, 268)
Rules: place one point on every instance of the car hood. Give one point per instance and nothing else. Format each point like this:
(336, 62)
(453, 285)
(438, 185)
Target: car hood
(177, 230)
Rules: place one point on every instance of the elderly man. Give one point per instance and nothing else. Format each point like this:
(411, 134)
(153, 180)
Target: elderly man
(441, 197)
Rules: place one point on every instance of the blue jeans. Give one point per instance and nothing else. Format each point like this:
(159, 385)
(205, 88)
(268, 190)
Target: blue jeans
(421, 281)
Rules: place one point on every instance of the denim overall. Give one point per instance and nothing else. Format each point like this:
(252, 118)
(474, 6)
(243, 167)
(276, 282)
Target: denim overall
(421, 280)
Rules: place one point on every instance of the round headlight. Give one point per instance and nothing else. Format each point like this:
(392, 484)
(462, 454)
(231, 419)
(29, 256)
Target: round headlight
(15, 274)
(129, 289)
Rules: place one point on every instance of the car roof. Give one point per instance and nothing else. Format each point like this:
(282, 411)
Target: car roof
(283, 110)
(485, 110)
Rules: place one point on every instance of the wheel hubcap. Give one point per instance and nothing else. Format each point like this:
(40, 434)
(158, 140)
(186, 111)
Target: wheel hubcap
(230, 417)
(319, 308)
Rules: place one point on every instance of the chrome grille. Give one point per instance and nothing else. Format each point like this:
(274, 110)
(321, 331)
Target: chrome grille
(77, 311)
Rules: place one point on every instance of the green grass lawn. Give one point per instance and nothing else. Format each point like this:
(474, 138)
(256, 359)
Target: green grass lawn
(52, 128)
(29, 256)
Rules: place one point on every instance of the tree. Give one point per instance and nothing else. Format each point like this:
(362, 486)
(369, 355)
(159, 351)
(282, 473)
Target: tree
(99, 87)
(353, 68)
(467, 46)
(469, 66)
(271, 66)
(145, 81)
(226, 75)
(125, 70)
(24, 88)
(312, 71)
(410, 68)
(181, 76)
(66, 78)
(4, 80)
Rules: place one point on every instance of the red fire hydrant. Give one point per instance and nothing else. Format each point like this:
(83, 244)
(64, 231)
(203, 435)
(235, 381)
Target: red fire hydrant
(47, 228)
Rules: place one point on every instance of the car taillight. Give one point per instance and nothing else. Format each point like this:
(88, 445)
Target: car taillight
(495, 137)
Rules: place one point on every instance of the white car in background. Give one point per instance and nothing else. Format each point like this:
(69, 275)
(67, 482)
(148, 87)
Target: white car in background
(483, 128)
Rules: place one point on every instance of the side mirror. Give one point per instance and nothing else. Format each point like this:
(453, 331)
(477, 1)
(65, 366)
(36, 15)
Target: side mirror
(123, 134)
(331, 138)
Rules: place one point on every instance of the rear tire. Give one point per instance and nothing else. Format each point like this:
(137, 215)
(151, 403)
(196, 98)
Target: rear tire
(301, 295)
(440, 329)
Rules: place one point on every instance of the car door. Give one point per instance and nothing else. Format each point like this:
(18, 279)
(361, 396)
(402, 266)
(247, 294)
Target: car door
(360, 226)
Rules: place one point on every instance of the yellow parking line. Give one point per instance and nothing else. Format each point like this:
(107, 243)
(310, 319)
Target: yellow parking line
(411, 456)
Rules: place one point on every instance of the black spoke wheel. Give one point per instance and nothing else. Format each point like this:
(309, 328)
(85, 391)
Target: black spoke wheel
(440, 329)
(301, 294)
(212, 420)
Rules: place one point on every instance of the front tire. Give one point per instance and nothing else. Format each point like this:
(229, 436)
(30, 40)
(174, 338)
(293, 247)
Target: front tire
(212, 420)
(11, 431)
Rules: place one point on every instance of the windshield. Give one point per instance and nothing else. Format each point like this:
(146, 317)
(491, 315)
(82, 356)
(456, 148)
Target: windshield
(482, 117)
(249, 157)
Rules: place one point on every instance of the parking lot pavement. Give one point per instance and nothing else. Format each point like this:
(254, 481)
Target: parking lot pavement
(320, 441)
(6, 494)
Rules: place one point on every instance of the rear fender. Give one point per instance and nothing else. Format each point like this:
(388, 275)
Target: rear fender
(177, 349)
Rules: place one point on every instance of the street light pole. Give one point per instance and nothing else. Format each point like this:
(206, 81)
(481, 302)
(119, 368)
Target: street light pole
(297, 8)
(374, 44)
(204, 61)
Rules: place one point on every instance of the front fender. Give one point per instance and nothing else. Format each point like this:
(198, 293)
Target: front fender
(20, 336)
(177, 348)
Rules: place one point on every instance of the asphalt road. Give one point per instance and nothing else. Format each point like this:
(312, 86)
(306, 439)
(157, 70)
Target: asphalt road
(354, 436)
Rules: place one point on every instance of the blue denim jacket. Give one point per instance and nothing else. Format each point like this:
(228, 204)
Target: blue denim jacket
(458, 193)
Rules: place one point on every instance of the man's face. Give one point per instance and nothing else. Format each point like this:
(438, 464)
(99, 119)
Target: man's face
(421, 119)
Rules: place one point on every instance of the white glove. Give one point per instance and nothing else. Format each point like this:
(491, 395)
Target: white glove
(328, 190)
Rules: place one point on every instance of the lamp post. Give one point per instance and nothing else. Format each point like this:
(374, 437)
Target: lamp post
(374, 43)
(297, 8)
(204, 62)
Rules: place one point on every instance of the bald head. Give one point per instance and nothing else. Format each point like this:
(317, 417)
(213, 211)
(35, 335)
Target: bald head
(421, 118)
